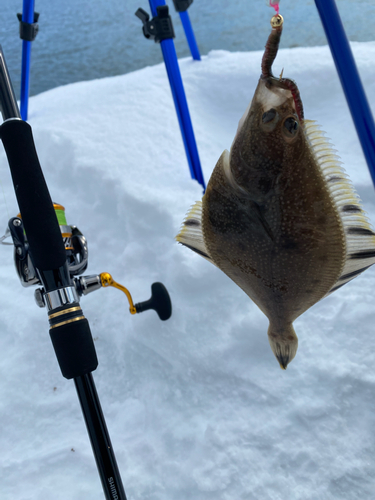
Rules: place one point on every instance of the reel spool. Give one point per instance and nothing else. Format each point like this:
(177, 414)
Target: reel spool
(75, 243)
(77, 259)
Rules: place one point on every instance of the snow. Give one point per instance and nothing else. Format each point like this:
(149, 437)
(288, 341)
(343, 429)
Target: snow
(197, 406)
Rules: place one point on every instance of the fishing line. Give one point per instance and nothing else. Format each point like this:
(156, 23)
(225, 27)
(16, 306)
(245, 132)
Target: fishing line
(4, 197)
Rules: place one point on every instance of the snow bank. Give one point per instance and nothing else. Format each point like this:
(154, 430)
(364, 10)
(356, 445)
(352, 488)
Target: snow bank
(197, 407)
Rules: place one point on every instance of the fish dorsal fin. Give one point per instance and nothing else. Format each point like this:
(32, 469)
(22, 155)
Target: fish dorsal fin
(359, 234)
(191, 234)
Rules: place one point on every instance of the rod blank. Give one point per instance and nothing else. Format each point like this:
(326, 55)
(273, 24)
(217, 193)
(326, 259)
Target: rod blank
(8, 102)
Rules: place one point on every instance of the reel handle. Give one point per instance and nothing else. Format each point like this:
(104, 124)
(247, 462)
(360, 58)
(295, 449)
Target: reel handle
(159, 301)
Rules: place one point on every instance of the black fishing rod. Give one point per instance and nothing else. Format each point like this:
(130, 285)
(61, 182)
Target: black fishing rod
(48, 252)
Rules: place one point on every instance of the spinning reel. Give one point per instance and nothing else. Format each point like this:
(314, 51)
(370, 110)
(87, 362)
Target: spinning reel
(77, 258)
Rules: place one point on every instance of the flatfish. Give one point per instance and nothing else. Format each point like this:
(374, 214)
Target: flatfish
(280, 216)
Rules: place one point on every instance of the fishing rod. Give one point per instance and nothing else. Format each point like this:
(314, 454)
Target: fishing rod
(50, 253)
(160, 29)
(181, 7)
(28, 30)
(350, 79)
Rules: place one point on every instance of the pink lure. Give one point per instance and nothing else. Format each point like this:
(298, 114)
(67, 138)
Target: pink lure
(275, 5)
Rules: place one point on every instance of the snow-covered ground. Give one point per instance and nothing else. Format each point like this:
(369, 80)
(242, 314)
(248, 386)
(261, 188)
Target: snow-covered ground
(197, 406)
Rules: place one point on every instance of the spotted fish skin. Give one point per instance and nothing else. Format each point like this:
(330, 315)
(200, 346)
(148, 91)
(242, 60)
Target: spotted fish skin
(279, 216)
(268, 220)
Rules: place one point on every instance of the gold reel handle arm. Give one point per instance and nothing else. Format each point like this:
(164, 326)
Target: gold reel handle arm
(107, 280)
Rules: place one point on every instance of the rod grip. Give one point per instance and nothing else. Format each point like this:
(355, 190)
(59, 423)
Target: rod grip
(34, 201)
(74, 348)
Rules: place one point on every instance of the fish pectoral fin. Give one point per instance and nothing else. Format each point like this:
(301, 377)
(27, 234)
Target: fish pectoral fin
(191, 235)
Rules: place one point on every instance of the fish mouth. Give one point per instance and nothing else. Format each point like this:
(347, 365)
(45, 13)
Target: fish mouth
(269, 94)
(270, 53)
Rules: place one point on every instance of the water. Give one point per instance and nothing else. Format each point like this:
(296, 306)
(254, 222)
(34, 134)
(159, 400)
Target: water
(82, 40)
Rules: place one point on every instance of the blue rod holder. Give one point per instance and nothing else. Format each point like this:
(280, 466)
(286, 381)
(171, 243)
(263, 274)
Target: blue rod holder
(179, 98)
(185, 19)
(27, 17)
(350, 79)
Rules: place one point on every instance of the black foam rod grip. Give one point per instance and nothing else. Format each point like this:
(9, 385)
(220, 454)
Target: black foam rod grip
(34, 201)
(74, 348)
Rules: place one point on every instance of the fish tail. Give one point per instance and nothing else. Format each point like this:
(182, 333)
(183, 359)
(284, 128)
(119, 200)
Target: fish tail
(284, 343)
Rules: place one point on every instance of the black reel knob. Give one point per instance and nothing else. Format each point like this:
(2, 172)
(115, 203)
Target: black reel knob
(159, 301)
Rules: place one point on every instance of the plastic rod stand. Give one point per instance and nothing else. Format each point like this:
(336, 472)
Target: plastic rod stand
(350, 79)
(179, 98)
(182, 110)
(185, 19)
(99, 438)
(27, 17)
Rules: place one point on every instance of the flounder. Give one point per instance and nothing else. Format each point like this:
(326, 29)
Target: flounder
(280, 216)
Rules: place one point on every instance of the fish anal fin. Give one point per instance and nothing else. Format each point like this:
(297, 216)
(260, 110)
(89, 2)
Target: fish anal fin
(191, 235)
(358, 232)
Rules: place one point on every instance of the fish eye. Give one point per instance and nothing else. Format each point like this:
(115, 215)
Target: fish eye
(290, 126)
(269, 115)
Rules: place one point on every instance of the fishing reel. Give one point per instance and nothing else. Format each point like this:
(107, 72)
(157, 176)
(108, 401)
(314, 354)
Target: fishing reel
(77, 258)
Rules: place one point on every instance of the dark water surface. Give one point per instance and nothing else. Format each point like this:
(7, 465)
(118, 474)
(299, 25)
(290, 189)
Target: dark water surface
(83, 40)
